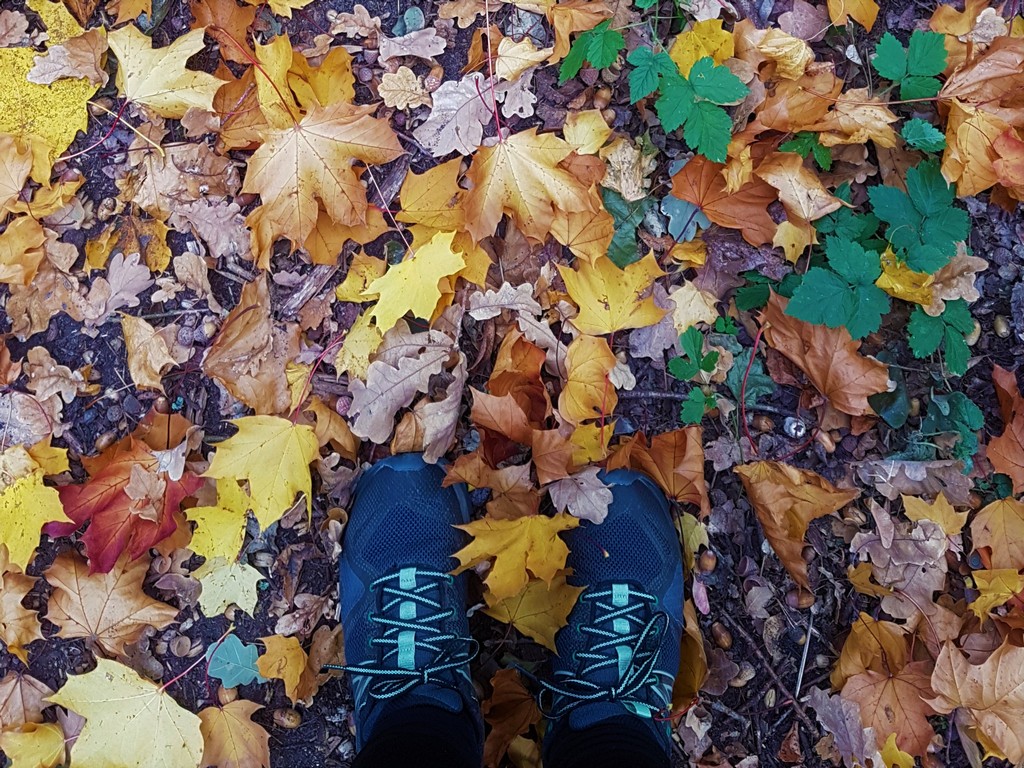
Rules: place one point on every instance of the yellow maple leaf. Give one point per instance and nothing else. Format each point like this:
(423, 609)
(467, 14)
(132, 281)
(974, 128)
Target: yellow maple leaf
(901, 282)
(361, 341)
(129, 721)
(539, 611)
(282, 7)
(276, 99)
(230, 737)
(25, 507)
(157, 77)
(219, 531)
(274, 456)
(611, 299)
(514, 58)
(586, 131)
(520, 176)
(434, 198)
(15, 165)
(519, 548)
(34, 745)
(939, 511)
(705, 38)
(692, 306)
(412, 284)
(284, 660)
(21, 250)
(994, 587)
(863, 11)
(588, 393)
(304, 165)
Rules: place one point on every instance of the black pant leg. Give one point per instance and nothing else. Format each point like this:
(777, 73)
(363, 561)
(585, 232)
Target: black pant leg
(621, 742)
(422, 737)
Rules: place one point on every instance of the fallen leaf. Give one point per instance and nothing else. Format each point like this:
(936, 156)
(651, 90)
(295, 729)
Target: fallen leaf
(231, 739)
(510, 710)
(112, 696)
(786, 500)
(856, 118)
(226, 583)
(994, 587)
(800, 191)
(840, 717)
(691, 305)
(518, 549)
(1000, 527)
(583, 495)
(22, 700)
(828, 356)
(19, 626)
(539, 611)
(35, 745)
(284, 660)
(149, 354)
(862, 11)
(403, 90)
(520, 176)
(892, 477)
(612, 299)
(876, 645)
(588, 393)
(25, 507)
(674, 460)
(78, 57)
(703, 39)
(895, 702)
(484, 306)
(273, 455)
(108, 609)
(1006, 452)
(512, 493)
(228, 23)
(457, 118)
(422, 44)
(700, 182)
(990, 694)
(939, 511)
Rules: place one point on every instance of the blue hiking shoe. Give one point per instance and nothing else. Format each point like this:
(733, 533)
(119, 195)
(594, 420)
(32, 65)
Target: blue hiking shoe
(619, 654)
(407, 640)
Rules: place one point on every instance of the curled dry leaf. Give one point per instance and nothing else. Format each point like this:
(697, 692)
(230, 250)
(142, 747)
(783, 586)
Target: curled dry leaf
(785, 500)
(149, 351)
(1006, 452)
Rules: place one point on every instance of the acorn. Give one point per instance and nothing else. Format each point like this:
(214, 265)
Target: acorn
(762, 423)
(287, 718)
(799, 599)
(975, 334)
(826, 440)
(602, 97)
(707, 561)
(162, 405)
(609, 115)
(106, 440)
(770, 696)
(180, 646)
(721, 635)
(915, 406)
(1001, 326)
(226, 695)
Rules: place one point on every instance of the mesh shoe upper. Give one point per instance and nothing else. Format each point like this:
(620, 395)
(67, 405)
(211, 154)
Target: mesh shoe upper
(620, 650)
(406, 634)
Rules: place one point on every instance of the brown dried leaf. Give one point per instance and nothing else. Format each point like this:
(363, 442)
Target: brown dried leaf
(510, 711)
(22, 700)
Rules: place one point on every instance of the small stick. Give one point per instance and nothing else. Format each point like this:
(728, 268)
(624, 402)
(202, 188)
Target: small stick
(797, 706)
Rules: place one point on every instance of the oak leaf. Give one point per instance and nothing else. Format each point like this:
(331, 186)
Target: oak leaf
(700, 182)
(157, 77)
(412, 285)
(403, 90)
(309, 164)
(108, 609)
(273, 455)
(231, 739)
(991, 695)
(786, 500)
(612, 299)
(510, 711)
(130, 722)
(588, 393)
(1000, 527)
(518, 549)
(828, 356)
(520, 176)
(457, 119)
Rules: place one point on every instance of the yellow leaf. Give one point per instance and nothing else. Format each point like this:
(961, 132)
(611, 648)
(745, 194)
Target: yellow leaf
(157, 77)
(34, 745)
(863, 11)
(705, 38)
(693, 661)
(586, 233)
(21, 250)
(284, 660)
(790, 54)
(901, 282)
(1000, 526)
(856, 118)
(800, 190)
(515, 58)
(219, 532)
(327, 84)
(403, 89)
(793, 239)
(276, 99)
(129, 722)
(539, 611)
(895, 757)
(588, 394)
(25, 507)
(282, 7)
(994, 588)
(15, 165)
(939, 511)
(518, 548)
(612, 299)
(149, 355)
(880, 646)
(301, 166)
(586, 131)
(969, 159)
(274, 456)
(433, 198)
(60, 25)
(231, 739)
(226, 583)
(412, 285)
(361, 341)
(691, 254)
(297, 376)
(520, 176)
(692, 306)
(590, 442)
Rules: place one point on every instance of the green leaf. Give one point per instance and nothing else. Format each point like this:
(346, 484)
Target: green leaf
(716, 83)
(852, 261)
(604, 45)
(925, 333)
(643, 5)
(648, 69)
(801, 144)
(233, 662)
(708, 130)
(694, 407)
(916, 87)
(958, 315)
(822, 156)
(924, 258)
(920, 134)
(759, 384)
(752, 296)
(573, 62)
(890, 58)
(627, 217)
(894, 207)
(675, 103)
(957, 353)
(926, 55)
(947, 229)
(870, 304)
(823, 298)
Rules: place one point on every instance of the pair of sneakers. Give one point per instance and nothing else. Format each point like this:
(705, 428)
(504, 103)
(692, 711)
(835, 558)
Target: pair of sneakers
(407, 640)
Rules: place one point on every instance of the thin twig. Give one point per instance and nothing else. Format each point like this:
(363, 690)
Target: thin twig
(797, 706)
(803, 659)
